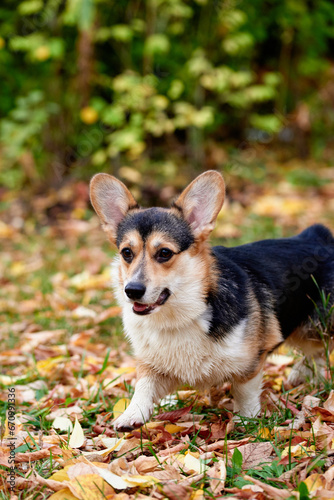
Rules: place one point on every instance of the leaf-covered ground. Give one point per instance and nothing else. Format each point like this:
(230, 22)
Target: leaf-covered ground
(67, 372)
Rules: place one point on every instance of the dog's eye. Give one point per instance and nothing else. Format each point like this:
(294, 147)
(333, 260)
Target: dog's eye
(164, 254)
(127, 254)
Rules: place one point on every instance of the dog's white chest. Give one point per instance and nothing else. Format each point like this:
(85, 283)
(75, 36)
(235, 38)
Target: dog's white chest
(187, 354)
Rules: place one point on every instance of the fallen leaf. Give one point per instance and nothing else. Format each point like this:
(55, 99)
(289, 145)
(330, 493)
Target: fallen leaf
(89, 487)
(111, 312)
(254, 454)
(63, 494)
(329, 403)
(272, 492)
(77, 438)
(299, 450)
(145, 464)
(217, 477)
(173, 416)
(173, 429)
(314, 482)
(63, 424)
(120, 406)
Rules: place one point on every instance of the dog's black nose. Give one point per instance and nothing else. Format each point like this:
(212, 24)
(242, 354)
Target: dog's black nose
(135, 291)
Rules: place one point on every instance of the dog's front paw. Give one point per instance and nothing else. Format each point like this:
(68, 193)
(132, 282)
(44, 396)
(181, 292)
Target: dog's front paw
(134, 417)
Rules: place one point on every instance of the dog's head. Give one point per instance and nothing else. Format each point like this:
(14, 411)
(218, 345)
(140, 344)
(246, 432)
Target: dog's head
(162, 250)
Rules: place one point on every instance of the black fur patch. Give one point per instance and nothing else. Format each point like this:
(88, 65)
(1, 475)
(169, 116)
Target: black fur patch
(157, 219)
(229, 303)
(279, 272)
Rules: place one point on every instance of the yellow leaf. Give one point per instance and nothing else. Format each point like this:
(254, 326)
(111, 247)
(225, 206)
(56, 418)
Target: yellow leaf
(278, 384)
(152, 425)
(172, 428)
(77, 437)
(264, 433)
(9, 429)
(197, 495)
(114, 445)
(5, 230)
(299, 450)
(46, 366)
(192, 463)
(140, 480)
(90, 487)
(314, 481)
(42, 53)
(17, 268)
(7, 380)
(64, 494)
(61, 475)
(130, 174)
(89, 115)
(120, 406)
(125, 369)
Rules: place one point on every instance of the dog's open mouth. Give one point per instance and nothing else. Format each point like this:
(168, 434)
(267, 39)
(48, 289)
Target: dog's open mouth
(142, 309)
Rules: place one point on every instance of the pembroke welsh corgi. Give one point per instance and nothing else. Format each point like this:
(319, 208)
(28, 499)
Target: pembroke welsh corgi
(202, 316)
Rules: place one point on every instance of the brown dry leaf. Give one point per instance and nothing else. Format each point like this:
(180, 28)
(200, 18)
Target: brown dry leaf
(32, 456)
(175, 491)
(221, 429)
(167, 474)
(130, 445)
(145, 464)
(173, 416)
(111, 312)
(32, 340)
(65, 412)
(254, 454)
(329, 403)
(272, 492)
(4, 455)
(217, 477)
(49, 483)
(329, 477)
(174, 449)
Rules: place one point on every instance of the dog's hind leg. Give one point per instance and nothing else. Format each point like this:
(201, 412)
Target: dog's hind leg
(247, 396)
(312, 365)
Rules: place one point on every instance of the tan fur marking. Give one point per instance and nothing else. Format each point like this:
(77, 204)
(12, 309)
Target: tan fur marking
(111, 200)
(259, 339)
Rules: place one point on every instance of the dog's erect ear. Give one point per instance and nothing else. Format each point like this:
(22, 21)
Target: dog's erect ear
(111, 200)
(202, 201)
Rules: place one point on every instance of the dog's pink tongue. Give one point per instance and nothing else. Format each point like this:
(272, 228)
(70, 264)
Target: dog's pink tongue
(139, 307)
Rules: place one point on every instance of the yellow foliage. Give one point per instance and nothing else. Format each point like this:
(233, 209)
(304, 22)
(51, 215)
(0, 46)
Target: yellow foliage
(89, 115)
(120, 406)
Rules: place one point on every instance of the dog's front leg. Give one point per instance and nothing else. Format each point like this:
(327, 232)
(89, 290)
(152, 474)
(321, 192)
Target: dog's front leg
(247, 396)
(150, 388)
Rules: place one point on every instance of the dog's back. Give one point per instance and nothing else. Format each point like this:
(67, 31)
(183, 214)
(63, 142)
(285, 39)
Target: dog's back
(285, 275)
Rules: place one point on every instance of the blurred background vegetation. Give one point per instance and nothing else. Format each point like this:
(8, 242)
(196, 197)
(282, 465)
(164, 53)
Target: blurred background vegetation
(162, 89)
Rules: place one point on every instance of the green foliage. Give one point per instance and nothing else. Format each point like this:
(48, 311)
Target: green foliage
(133, 78)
